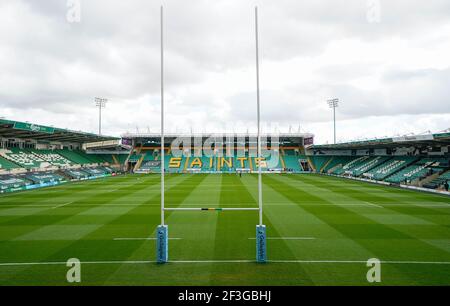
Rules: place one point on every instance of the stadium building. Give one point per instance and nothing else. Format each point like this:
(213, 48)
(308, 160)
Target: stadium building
(34, 156)
(218, 153)
(417, 161)
(336, 203)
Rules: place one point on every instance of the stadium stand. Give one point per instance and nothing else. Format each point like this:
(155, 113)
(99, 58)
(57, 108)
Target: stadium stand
(75, 174)
(98, 171)
(410, 173)
(77, 157)
(439, 181)
(368, 164)
(34, 156)
(347, 167)
(319, 162)
(43, 161)
(7, 165)
(44, 177)
(390, 167)
(291, 160)
(25, 159)
(52, 157)
(10, 183)
(336, 163)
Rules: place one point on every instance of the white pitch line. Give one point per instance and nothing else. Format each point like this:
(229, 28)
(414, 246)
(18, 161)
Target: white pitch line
(286, 238)
(145, 238)
(237, 204)
(136, 262)
(58, 206)
(374, 205)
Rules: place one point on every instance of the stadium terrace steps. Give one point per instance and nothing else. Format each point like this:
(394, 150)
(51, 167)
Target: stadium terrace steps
(121, 158)
(15, 158)
(7, 165)
(369, 164)
(390, 167)
(31, 159)
(410, 173)
(106, 158)
(292, 162)
(221, 163)
(148, 156)
(356, 162)
(92, 157)
(337, 163)
(439, 181)
(135, 158)
(52, 157)
(319, 161)
(77, 157)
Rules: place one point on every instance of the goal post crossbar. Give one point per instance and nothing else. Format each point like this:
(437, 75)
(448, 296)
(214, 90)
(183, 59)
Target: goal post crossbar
(212, 208)
(162, 234)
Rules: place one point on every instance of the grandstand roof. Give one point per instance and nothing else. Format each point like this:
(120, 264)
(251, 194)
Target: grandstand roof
(26, 130)
(207, 135)
(420, 140)
(294, 138)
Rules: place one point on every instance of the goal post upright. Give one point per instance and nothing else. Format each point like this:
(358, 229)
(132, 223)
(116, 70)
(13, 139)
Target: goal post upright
(162, 232)
(261, 246)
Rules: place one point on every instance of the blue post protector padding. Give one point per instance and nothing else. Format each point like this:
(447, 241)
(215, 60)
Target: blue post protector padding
(261, 247)
(162, 244)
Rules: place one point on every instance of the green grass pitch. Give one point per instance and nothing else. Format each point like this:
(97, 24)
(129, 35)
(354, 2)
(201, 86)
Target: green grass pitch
(321, 231)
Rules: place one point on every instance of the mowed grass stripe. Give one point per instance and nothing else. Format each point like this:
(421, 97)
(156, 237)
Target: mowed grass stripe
(53, 235)
(293, 207)
(96, 244)
(368, 228)
(419, 214)
(415, 201)
(147, 249)
(50, 216)
(25, 216)
(30, 250)
(328, 244)
(233, 224)
(385, 242)
(20, 225)
(389, 194)
(276, 249)
(52, 194)
(419, 226)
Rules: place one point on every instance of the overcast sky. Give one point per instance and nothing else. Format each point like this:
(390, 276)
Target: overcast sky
(387, 61)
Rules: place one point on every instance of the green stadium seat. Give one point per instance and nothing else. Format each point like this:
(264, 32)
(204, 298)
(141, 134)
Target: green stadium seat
(7, 165)
(390, 167)
(319, 161)
(439, 181)
(77, 157)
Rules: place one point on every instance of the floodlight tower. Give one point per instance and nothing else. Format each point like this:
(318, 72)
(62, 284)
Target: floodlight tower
(333, 103)
(100, 103)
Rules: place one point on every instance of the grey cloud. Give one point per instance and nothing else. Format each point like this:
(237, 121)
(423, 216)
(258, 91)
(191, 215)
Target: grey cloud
(52, 65)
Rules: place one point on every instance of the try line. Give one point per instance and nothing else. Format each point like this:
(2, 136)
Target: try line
(294, 261)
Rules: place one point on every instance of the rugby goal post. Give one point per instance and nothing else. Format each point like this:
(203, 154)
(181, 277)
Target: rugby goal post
(162, 232)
